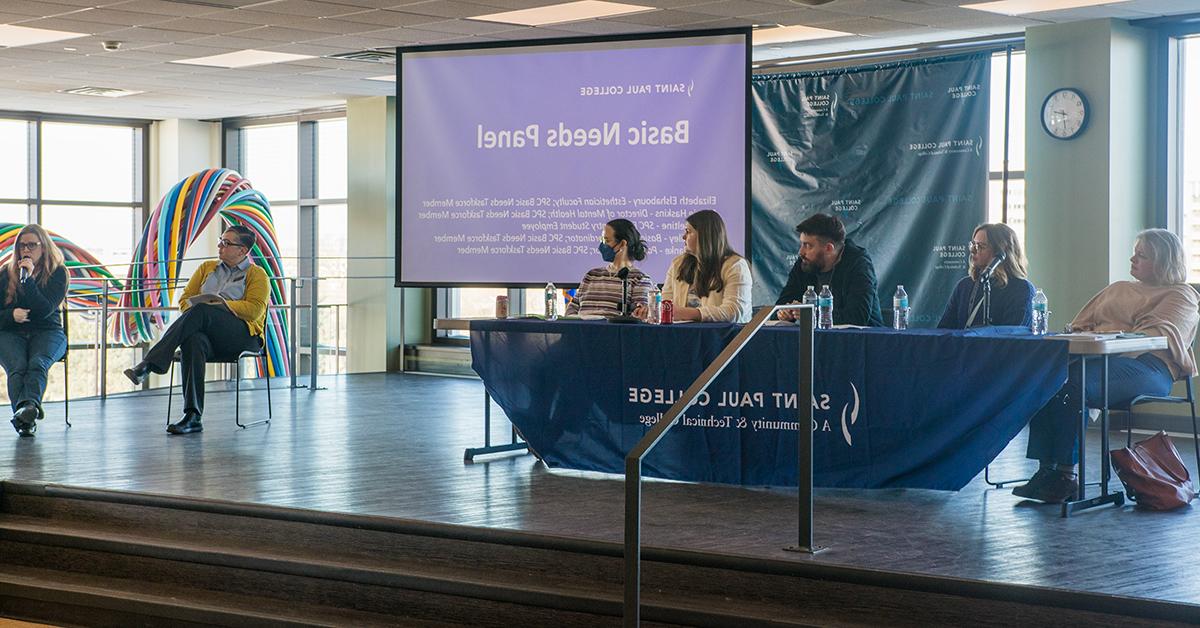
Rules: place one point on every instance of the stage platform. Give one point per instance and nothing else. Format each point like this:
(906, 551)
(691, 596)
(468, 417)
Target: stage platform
(393, 445)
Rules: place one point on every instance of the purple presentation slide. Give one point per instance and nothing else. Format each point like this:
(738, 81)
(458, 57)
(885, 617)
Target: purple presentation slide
(512, 159)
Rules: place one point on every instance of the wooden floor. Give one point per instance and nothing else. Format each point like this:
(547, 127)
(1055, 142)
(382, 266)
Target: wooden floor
(393, 445)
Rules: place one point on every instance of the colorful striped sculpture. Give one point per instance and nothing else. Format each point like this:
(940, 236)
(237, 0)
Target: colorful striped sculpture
(172, 228)
(85, 273)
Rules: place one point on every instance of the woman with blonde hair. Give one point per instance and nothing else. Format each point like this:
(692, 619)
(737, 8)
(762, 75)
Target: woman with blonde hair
(1012, 294)
(1159, 302)
(34, 284)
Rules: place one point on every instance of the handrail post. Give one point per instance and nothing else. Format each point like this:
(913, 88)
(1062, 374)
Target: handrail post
(633, 460)
(313, 340)
(804, 455)
(104, 339)
(292, 324)
(633, 542)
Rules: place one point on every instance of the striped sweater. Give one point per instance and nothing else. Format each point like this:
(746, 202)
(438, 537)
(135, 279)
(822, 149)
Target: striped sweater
(599, 292)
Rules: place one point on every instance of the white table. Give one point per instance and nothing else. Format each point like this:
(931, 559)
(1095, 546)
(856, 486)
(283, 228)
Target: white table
(1100, 347)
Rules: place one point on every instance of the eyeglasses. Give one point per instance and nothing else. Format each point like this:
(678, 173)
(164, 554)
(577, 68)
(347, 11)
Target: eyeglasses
(28, 245)
(224, 242)
(977, 246)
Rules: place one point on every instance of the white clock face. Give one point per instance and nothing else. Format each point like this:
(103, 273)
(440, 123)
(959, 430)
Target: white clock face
(1064, 114)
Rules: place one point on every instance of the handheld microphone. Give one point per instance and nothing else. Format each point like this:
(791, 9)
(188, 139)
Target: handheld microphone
(996, 262)
(624, 316)
(24, 272)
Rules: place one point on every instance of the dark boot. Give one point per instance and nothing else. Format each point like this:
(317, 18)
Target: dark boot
(137, 373)
(188, 424)
(1029, 488)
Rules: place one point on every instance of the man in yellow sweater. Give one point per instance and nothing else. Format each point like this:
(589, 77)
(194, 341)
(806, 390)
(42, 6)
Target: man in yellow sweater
(224, 310)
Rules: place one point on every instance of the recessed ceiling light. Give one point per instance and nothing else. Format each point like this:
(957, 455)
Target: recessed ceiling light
(385, 77)
(559, 13)
(13, 36)
(244, 58)
(69, 49)
(106, 92)
(785, 34)
(1020, 7)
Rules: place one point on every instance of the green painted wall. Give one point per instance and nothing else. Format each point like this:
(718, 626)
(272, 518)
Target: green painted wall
(1086, 198)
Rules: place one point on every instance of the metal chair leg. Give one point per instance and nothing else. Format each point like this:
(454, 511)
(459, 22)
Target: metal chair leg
(1195, 435)
(67, 393)
(270, 413)
(987, 478)
(170, 390)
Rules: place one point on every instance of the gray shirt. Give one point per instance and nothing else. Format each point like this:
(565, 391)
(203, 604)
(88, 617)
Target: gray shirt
(227, 282)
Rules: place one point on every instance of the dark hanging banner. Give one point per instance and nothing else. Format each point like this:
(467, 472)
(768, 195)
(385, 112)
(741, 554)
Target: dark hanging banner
(898, 151)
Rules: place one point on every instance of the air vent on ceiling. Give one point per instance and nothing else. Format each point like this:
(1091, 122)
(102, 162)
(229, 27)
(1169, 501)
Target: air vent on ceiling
(370, 56)
(106, 92)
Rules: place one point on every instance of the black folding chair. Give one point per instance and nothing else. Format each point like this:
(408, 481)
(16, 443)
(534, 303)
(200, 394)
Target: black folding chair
(66, 368)
(260, 353)
(1189, 399)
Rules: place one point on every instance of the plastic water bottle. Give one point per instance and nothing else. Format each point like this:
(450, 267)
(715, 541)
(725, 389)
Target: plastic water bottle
(551, 302)
(655, 306)
(1041, 314)
(825, 308)
(810, 296)
(900, 308)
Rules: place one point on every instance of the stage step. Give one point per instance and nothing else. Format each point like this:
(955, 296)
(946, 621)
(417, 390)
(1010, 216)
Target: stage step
(93, 557)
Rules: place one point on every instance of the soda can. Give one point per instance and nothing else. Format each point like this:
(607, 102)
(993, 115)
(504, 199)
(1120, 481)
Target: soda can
(668, 313)
(501, 306)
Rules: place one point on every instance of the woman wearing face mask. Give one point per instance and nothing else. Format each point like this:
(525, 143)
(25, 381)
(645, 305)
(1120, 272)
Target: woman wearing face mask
(1012, 294)
(599, 292)
(709, 281)
(33, 284)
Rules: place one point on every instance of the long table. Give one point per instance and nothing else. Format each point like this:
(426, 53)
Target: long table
(919, 409)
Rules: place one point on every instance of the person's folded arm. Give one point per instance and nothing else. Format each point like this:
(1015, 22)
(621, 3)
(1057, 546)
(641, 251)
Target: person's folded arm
(253, 304)
(735, 296)
(580, 292)
(793, 290)
(856, 302)
(194, 284)
(948, 320)
(639, 293)
(45, 300)
(1017, 310)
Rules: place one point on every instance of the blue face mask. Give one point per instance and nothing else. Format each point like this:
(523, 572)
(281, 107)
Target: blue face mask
(607, 253)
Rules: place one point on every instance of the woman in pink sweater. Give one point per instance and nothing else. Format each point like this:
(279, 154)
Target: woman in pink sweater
(1158, 303)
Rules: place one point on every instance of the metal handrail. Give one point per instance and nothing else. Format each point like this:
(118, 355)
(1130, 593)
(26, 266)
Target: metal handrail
(633, 460)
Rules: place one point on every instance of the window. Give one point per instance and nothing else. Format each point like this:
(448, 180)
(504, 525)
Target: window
(1015, 216)
(84, 180)
(299, 183)
(14, 160)
(1187, 192)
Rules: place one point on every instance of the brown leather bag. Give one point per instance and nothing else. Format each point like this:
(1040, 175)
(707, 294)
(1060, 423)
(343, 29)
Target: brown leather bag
(1153, 473)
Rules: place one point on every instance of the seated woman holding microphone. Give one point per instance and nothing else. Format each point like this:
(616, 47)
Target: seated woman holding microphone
(709, 281)
(600, 290)
(1012, 294)
(34, 284)
(1158, 303)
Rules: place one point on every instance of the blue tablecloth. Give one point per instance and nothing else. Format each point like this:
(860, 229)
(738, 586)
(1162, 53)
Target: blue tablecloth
(920, 409)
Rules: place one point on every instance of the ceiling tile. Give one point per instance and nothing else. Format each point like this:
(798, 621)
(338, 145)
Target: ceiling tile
(388, 19)
(37, 9)
(162, 7)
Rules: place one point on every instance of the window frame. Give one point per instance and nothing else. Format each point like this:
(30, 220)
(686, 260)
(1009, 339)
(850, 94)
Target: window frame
(35, 201)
